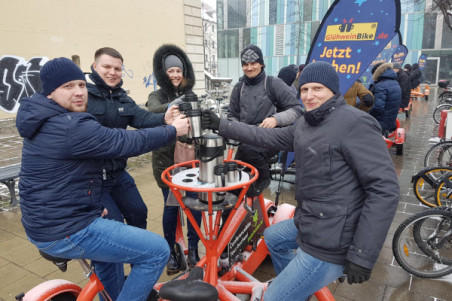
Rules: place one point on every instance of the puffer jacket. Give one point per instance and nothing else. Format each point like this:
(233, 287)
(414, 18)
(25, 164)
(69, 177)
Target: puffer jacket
(62, 160)
(415, 76)
(388, 97)
(405, 86)
(113, 108)
(346, 186)
(158, 102)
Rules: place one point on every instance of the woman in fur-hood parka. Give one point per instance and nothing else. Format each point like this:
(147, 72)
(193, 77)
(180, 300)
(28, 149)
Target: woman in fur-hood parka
(175, 76)
(159, 100)
(160, 71)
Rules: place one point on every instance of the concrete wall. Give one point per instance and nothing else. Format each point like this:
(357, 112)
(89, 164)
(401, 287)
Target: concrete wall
(34, 31)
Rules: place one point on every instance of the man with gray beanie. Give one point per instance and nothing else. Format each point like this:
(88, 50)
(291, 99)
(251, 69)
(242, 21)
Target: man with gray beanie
(60, 185)
(346, 189)
(263, 101)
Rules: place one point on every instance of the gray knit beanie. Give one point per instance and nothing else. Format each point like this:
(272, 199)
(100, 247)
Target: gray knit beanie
(58, 71)
(396, 66)
(173, 61)
(322, 73)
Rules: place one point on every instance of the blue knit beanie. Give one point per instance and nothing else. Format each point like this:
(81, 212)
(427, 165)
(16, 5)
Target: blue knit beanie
(58, 71)
(322, 73)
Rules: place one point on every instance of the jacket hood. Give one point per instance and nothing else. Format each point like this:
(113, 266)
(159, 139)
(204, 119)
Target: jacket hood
(384, 71)
(33, 112)
(160, 73)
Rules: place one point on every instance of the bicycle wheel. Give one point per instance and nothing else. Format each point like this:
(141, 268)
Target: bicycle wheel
(433, 236)
(437, 111)
(443, 192)
(445, 97)
(439, 154)
(425, 183)
(421, 244)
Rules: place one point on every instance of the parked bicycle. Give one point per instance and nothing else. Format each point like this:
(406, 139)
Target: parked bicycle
(445, 95)
(422, 243)
(439, 154)
(426, 183)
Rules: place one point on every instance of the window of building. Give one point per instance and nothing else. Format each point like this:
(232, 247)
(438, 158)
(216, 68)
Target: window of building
(236, 13)
(228, 43)
(428, 40)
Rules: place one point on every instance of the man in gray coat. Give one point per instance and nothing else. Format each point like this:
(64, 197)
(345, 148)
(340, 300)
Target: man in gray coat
(264, 101)
(346, 188)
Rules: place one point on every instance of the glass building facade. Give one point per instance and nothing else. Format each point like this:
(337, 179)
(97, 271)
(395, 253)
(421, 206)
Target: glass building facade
(284, 29)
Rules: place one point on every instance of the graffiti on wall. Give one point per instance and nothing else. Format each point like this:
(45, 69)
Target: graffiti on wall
(18, 78)
(127, 72)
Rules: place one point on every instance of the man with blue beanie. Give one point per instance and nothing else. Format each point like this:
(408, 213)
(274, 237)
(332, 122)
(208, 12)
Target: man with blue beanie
(346, 189)
(61, 179)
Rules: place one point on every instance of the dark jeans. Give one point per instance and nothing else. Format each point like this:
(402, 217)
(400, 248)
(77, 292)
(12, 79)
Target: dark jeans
(170, 222)
(122, 199)
(258, 157)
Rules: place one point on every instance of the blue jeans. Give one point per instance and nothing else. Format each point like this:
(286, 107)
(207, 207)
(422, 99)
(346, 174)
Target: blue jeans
(299, 275)
(123, 201)
(170, 214)
(109, 241)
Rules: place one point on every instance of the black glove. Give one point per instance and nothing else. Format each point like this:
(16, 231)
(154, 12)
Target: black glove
(356, 273)
(210, 120)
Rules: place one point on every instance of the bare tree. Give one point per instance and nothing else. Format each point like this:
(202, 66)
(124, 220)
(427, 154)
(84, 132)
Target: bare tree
(443, 6)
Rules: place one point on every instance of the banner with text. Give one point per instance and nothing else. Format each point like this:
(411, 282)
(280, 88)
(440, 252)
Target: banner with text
(352, 34)
(422, 61)
(399, 55)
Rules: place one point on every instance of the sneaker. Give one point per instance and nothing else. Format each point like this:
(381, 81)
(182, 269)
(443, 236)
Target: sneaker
(193, 257)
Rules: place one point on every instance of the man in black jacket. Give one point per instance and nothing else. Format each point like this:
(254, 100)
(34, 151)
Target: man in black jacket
(404, 81)
(346, 189)
(113, 108)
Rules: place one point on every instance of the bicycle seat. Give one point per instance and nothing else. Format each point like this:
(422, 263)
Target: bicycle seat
(193, 288)
(61, 263)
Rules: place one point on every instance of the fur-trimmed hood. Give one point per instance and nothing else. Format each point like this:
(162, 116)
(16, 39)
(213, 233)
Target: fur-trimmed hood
(160, 73)
(381, 71)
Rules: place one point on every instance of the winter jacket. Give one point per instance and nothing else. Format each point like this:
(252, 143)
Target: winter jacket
(113, 108)
(365, 96)
(404, 82)
(415, 76)
(346, 186)
(62, 160)
(388, 96)
(250, 102)
(158, 103)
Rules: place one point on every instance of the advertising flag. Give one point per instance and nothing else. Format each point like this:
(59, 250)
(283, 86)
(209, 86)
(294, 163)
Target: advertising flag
(352, 34)
(422, 61)
(383, 57)
(400, 54)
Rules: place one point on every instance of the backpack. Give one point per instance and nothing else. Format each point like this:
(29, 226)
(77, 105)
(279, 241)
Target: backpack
(270, 93)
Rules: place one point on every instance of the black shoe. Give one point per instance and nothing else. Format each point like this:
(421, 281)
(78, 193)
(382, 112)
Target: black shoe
(193, 257)
(258, 187)
(153, 296)
(173, 265)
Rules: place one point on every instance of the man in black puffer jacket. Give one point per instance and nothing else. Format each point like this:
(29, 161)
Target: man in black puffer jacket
(113, 108)
(404, 82)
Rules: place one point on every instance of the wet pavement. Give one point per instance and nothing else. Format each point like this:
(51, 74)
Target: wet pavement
(21, 267)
